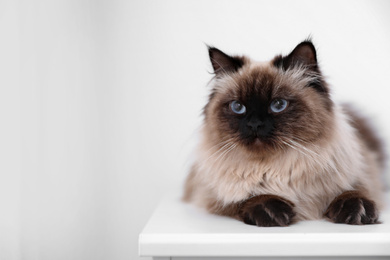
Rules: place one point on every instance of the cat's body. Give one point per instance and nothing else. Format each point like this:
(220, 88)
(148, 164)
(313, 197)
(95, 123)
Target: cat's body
(276, 149)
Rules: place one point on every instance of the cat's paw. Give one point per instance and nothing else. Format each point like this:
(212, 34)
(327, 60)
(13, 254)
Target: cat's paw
(352, 208)
(267, 211)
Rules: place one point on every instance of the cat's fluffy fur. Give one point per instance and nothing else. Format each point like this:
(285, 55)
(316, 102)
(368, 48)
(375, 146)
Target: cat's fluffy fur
(318, 158)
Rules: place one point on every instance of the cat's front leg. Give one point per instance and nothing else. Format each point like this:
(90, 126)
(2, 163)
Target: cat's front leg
(352, 207)
(267, 211)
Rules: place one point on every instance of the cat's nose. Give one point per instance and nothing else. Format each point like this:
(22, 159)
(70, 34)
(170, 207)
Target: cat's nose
(255, 124)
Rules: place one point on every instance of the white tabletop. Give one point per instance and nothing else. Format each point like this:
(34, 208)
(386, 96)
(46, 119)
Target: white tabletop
(180, 229)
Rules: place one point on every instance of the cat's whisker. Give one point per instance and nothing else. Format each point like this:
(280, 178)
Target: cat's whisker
(305, 148)
(227, 150)
(298, 149)
(327, 165)
(294, 147)
(223, 148)
(219, 144)
(276, 144)
(317, 156)
(305, 142)
(223, 152)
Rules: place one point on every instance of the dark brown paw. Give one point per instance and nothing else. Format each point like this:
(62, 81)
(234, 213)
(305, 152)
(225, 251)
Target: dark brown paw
(267, 211)
(352, 208)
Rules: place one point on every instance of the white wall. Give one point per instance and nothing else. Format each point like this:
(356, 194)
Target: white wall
(100, 101)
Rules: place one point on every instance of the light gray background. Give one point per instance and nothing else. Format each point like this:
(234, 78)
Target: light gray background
(100, 102)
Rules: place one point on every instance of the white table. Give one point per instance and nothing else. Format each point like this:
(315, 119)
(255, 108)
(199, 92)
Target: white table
(178, 231)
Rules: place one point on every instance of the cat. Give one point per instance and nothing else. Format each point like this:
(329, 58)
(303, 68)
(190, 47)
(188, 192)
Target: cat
(275, 149)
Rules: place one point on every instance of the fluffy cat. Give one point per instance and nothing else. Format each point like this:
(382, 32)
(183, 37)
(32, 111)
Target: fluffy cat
(276, 149)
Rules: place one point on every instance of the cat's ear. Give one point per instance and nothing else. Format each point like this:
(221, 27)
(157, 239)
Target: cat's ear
(303, 55)
(223, 63)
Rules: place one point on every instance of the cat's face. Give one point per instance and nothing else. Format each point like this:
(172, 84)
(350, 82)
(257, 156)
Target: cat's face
(268, 107)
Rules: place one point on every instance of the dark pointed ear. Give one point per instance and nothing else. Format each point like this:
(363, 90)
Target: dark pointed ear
(304, 54)
(223, 63)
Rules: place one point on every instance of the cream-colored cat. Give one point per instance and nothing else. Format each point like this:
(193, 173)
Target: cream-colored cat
(276, 149)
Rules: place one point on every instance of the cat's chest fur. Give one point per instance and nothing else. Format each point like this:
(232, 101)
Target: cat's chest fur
(310, 182)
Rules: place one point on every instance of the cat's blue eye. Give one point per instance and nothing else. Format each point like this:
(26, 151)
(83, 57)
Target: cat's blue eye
(237, 107)
(278, 105)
